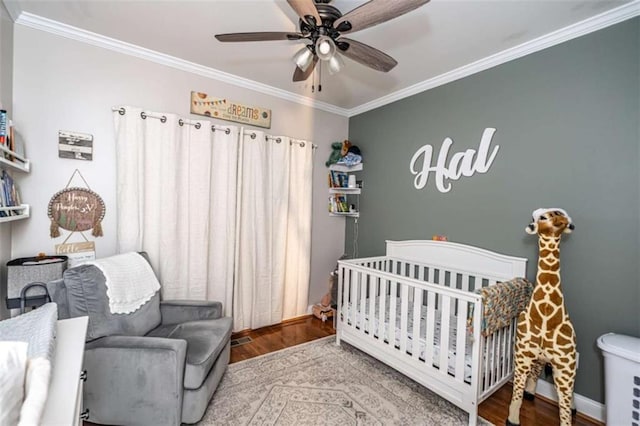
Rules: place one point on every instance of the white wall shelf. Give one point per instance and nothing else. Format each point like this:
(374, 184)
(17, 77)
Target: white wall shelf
(345, 168)
(338, 194)
(19, 212)
(19, 163)
(353, 191)
(11, 161)
(343, 214)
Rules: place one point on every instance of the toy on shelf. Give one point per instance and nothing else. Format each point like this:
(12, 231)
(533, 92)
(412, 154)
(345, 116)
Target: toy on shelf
(344, 153)
(545, 333)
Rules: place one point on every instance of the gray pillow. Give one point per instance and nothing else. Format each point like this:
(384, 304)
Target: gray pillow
(87, 295)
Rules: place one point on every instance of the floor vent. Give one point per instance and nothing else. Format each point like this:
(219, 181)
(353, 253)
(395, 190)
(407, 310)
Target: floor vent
(241, 341)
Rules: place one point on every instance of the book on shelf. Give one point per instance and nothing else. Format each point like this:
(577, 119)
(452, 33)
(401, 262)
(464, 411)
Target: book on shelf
(338, 179)
(9, 194)
(338, 204)
(4, 129)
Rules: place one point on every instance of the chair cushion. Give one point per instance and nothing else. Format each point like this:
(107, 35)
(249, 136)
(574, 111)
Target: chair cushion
(87, 295)
(205, 340)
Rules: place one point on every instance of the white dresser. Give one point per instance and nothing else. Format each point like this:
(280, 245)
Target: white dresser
(64, 403)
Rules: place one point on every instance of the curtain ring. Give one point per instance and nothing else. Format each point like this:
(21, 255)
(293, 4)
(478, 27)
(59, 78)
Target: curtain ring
(301, 144)
(198, 125)
(163, 119)
(121, 111)
(143, 115)
(253, 135)
(213, 127)
(181, 122)
(228, 131)
(278, 140)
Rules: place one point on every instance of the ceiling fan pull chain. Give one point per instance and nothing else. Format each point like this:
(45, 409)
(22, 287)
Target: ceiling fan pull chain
(319, 76)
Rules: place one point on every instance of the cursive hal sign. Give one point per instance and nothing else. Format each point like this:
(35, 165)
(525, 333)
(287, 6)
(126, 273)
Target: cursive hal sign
(461, 164)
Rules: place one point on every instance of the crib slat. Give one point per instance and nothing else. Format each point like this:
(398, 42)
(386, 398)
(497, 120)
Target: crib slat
(465, 282)
(444, 334)
(374, 282)
(365, 318)
(461, 340)
(431, 322)
(353, 299)
(383, 309)
(393, 300)
(404, 314)
(416, 333)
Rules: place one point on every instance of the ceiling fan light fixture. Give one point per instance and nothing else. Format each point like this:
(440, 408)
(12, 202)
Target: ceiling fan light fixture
(325, 48)
(303, 58)
(335, 64)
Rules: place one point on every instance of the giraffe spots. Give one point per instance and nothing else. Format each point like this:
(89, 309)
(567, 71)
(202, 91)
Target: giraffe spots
(546, 252)
(545, 278)
(563, 341)
(555, 297)
(542, 264)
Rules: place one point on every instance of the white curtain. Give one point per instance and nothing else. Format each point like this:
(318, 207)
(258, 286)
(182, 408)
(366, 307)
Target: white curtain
(175, 189)
(223, 215)
(274, 229)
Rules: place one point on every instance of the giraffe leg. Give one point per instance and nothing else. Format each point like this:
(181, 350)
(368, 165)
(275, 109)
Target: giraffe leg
(523, 365)
(564, 379)
(532, 380)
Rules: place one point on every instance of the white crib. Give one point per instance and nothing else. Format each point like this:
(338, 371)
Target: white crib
(429, 287)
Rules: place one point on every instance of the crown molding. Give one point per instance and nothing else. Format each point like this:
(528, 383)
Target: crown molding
(37, 22)
(13, 7)
(595, 23)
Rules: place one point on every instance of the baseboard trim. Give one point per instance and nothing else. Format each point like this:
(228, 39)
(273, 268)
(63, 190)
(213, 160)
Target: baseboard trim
(584, 405)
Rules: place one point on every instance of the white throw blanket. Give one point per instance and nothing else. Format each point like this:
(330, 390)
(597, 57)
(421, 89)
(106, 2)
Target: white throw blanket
(130, 281)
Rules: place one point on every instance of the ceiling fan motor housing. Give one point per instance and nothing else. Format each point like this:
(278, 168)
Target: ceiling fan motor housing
(328, 15)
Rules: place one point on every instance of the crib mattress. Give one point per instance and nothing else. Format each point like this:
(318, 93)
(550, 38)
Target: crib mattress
(422, 344)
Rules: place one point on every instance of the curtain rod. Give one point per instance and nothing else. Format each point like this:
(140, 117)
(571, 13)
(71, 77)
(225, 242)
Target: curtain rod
(181, 122)
(278, 140)
(197, 125)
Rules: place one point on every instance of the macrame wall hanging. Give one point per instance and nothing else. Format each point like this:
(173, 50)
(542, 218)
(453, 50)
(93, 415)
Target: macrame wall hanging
(76, 209)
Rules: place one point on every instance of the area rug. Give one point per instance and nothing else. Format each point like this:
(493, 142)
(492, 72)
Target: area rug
(319, 383)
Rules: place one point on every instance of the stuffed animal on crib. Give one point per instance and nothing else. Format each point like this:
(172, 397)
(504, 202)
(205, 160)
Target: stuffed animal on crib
(545, 333)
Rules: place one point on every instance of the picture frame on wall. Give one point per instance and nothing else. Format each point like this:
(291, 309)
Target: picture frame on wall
(75, 145)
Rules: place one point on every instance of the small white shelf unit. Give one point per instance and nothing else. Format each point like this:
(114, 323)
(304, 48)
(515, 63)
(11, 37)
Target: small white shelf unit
(346, 191)
(12, 161)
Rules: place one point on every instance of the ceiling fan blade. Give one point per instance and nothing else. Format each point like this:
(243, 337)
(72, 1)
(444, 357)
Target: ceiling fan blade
(306, 8)
(261, 36)
(366, 55)
(375, 12)
(299, 75)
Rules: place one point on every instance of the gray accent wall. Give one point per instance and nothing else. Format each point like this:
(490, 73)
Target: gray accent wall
(567, 121)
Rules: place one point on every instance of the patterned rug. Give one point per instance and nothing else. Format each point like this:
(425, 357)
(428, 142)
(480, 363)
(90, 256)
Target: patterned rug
(319, 383)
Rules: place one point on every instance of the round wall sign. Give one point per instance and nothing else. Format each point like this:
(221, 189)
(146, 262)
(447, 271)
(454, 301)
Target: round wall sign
(76, 209)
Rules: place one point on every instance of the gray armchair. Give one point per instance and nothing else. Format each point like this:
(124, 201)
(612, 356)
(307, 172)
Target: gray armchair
(159, 365)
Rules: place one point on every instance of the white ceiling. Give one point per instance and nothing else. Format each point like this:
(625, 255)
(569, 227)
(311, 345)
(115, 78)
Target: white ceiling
(434, 40)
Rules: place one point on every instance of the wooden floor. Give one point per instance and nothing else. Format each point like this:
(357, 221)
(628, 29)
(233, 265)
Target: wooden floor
(494, 409)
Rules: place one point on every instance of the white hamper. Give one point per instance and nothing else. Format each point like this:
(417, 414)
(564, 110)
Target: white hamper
(622, 378)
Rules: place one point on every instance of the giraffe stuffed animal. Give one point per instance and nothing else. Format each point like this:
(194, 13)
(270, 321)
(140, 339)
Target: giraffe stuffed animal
(545, 333)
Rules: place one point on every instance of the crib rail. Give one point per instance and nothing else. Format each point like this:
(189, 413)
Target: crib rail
(428, 301)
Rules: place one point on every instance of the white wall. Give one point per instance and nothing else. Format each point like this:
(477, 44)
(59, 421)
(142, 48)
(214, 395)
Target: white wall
(6, 90)
(63, 84)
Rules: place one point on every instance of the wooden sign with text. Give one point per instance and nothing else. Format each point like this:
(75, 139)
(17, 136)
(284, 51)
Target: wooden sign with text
(203, 104)
(76, 209)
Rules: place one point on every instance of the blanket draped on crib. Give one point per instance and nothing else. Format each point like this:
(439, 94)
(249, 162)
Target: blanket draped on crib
(502, 302)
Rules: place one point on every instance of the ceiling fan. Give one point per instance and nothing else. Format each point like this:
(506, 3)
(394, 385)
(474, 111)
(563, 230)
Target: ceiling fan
(323, 26)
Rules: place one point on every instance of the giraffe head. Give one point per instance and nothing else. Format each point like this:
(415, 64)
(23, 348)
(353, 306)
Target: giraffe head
(550, 223)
